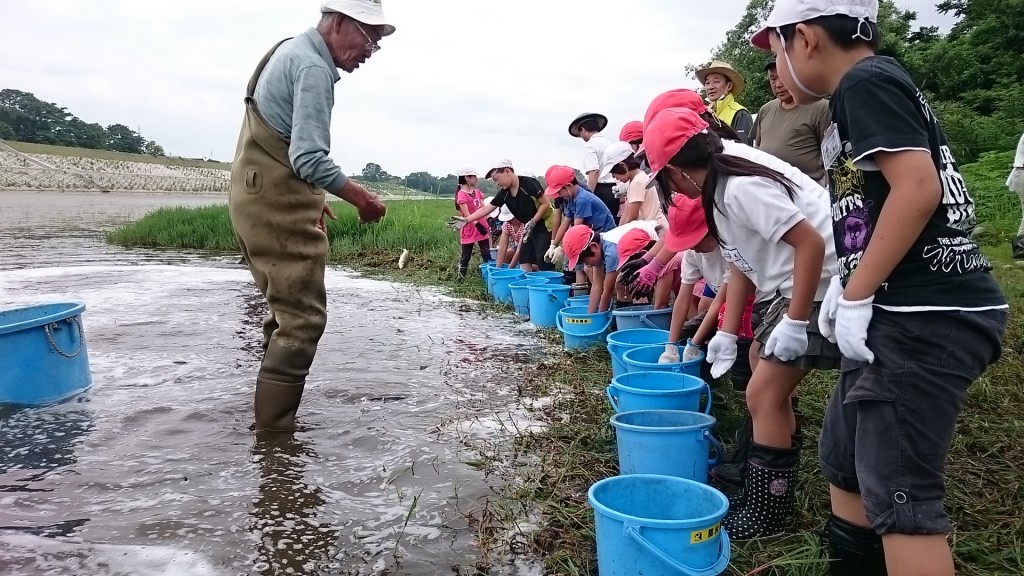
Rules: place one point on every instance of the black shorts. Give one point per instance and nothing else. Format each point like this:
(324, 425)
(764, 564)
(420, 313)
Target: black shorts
(534, 248)
(606, 192)
(889, 424)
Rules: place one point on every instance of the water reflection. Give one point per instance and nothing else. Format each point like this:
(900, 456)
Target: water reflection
(290, 539)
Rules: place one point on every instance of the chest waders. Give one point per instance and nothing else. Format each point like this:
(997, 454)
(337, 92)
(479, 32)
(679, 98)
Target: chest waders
(275, 214)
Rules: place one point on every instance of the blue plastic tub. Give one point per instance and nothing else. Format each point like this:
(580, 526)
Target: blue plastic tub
(645, 359)
(545, 302)
(667, 442)
(43, 354)
(643, 317)
(550, 276)
(658, 525)
(578, 301)
(521, 294)
(581, 330)
(621, 341)
(658, 391)
(501, 282)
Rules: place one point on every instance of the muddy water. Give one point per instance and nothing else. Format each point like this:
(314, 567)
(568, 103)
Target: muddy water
(153, 471)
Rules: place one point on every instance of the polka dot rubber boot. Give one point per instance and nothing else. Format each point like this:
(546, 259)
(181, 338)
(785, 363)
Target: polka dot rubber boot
(769, 494)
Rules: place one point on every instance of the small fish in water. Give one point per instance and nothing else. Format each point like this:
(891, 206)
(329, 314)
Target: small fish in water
(403, 259)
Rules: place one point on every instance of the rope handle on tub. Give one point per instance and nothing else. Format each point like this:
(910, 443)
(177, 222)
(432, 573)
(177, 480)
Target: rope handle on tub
(55, 326)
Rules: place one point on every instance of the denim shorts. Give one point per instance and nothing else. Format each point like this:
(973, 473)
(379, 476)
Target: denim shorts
(821, 354)
(889, 424)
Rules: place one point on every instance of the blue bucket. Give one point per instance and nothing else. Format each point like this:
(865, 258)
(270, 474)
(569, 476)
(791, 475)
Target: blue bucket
(551, 277)
(643, 317)
(486, 269)
(645, 359)
(622, 340)
(501, 282)
(43, 354)
(658, 391)
(647, 524)
(581, 330)
(494, 253)
(545, 302)
(667, 442)
(578, 301)
(521, 294)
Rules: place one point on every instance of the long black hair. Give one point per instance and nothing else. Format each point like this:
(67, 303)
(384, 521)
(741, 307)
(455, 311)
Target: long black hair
(706, 151)
(723, 130)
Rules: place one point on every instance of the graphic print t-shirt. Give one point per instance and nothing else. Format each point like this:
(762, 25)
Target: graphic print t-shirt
(877, 108)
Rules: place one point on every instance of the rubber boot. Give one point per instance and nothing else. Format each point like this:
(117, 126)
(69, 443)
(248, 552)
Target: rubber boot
(769, 494)
(276, 404)
(734, 462)
(852, 550)
(740, 373)
(1017, 246)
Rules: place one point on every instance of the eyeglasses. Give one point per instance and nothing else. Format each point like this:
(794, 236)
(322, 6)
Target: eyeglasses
(372, 46)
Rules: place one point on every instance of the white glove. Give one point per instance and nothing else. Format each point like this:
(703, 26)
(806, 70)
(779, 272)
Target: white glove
(670, 355)
(721, 353)
(691, 352)
(852, 320)
(827, 316)
(558, 258)
(549, 253)
(788, 340)
(456, 223)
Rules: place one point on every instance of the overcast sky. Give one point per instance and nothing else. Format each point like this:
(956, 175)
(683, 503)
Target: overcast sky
(461, 82)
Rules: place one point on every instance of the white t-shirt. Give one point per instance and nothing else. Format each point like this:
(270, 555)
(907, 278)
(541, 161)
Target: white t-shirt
(593, 153)
(757, 214)
(615, 234)
(711, 266)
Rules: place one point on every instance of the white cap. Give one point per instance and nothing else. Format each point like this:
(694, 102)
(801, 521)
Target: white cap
(466, 171)
(497, 164)
(488, 201)
(788, 12)
(505, 214)
(362, 11)
(613, 154)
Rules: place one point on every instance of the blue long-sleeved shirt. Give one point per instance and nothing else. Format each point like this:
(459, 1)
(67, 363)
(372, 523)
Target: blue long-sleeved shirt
(295, 94)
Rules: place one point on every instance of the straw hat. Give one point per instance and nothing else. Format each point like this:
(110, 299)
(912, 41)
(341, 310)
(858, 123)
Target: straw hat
(725, 69)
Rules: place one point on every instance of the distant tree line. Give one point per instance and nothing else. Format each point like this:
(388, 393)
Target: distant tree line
(25, 118)
(973, 75)
(423, 181)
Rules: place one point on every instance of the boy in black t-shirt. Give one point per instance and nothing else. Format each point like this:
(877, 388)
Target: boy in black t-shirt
(914, 309)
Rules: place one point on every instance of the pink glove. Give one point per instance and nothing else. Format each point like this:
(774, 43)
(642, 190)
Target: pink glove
(648, 276)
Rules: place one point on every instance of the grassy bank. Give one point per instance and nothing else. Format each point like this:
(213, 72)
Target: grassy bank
(29, 148)
(547, 472)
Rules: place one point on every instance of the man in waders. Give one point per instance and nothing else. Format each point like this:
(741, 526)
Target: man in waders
(277, 201)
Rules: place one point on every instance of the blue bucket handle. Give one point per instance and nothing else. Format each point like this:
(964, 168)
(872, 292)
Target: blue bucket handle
(611, 398)
(649, 323)
(707, 390)
(717, 445)
(714, 570)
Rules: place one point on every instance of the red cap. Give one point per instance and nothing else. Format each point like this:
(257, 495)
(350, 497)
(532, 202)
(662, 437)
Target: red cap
(632, 242)
(681, 98)
(575, 241)
(558, 177)
(686, 224)
(632, 131)
(667, 133)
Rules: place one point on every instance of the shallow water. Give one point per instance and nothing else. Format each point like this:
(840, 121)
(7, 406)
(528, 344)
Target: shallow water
(153, 471)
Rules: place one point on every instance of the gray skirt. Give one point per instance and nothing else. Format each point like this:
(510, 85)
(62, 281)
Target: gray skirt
(821, 354)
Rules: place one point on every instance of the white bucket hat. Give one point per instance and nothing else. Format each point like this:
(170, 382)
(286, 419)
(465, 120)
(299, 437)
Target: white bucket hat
(613, 154)
(505, 214)
(496, 210)
(363, 11)
(467, 171)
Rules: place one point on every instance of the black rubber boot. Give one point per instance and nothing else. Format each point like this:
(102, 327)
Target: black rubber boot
(852, 550)
(1017, 246)
(769, 494)
(276, 404)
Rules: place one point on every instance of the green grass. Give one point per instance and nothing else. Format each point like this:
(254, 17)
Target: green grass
(549, 471)
(28, 148)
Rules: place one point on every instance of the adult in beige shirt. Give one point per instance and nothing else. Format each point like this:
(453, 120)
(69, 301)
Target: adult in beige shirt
(790, 131)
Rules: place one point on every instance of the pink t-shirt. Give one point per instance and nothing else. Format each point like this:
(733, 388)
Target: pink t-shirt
(477, 231)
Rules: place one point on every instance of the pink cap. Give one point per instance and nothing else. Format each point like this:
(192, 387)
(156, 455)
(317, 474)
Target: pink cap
(666, 135)
(632, 242)
(682, 98)
(686, 224)
(558, 177)
(575, 241)
(632, 131)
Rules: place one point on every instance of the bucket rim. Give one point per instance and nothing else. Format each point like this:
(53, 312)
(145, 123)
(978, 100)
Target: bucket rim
(654, 522)
(72, 309)
(612, 335)
(709, 421)
(550, 287)
(632, 362)
(642, 310)
(646, 392)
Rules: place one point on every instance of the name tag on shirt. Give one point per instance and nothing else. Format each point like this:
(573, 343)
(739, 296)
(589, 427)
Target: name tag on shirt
(831, 146)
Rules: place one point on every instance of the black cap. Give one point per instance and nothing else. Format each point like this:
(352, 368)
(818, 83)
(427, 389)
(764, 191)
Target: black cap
(770, 64)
